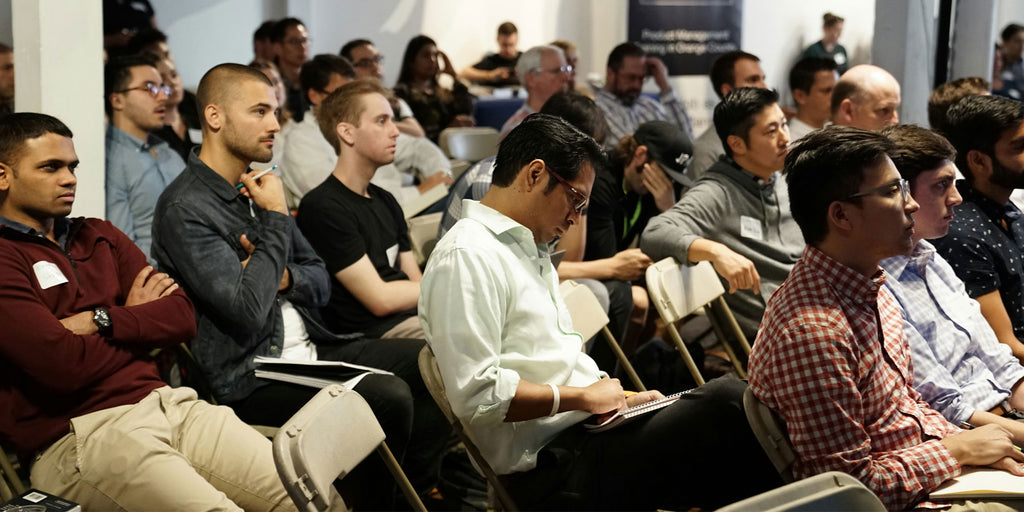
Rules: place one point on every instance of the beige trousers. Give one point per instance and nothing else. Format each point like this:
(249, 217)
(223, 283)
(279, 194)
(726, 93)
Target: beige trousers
(408, 328)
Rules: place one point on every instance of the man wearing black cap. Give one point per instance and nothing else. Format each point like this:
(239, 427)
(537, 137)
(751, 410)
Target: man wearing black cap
(737, 215)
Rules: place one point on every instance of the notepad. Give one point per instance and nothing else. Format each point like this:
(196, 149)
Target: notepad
(980, 483)
(314, 374)
(600, 423)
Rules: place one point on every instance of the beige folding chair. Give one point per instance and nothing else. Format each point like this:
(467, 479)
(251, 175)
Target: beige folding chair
(471, 144)
(678, 290)
(423, 235)
(10, 482)
(827, 491)
(771, 433)
(496, 492)
(324, 441)
(589, 318)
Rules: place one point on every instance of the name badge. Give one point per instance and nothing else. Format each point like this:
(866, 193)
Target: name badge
(750, 228)
(392, 253)
(48, 274)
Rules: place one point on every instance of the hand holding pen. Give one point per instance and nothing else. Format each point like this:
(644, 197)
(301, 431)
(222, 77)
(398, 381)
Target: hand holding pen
(264, 189)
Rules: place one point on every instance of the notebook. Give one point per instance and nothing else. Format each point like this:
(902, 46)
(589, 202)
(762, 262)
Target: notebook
(600, 423)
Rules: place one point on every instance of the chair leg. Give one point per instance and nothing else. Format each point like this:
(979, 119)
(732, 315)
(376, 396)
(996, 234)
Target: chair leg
(622, 359)
(403, 481)
(681, 348)
(717, 326)
(735, 325)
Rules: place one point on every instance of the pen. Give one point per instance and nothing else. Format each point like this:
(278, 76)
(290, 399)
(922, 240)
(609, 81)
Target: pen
(967, 426)
(258, 176)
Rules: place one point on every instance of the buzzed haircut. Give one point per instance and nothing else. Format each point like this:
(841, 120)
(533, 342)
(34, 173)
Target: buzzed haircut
(563, 149)
(579, 111)
(316, 72)
(977, 123)
(734, 115)
(1010, 30)
(117, 75)
(917, 150)
(281, 28)
(263, 32)
(18, 127)
(723, 70)
(344, 105)
(346, 51)
(221, 81)
(830, 20)
(828, 165)
(801, 77)
(4, 48)
(945, 95)
(507, 28)
(620, 52)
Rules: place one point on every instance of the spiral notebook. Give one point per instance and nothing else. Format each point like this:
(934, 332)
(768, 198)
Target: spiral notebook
(600, 423)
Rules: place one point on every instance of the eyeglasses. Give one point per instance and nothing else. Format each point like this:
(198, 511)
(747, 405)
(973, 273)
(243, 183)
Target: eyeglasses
(153, 89)
(904, 187)
(299, 41)
(369, 61)
(578, 198)
(558, 70)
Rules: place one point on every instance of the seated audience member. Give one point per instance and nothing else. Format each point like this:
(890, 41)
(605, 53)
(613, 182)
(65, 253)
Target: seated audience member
(621, 101)
(262, 43)
(985, 244)
(811, 81)
(497, 69)
(730, 71)
(369, 63)
(828, 47)
(866, 97)
(434, 106)
(737, 216)
(572, 60)
(175, 130)
(6, 79)
(149, 40)
(84, 405)
(947, 94)
(269, 70)
(1011, 63)
(512, 364)
(291, 51)
(357, 227)
(543, 72)
(831, 357)
(257, 283)
(139, 164)
(122, 20)
(960, 368)
(152, 41)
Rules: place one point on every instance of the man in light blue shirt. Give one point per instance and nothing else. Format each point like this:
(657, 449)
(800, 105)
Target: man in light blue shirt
(139, 164)
(960, 368)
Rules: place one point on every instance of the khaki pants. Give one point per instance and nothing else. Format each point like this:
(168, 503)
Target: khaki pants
(169, 452)
(408, 328)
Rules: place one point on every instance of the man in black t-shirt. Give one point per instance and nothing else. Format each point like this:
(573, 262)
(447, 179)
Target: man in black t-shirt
(497, 69)
(358, 228)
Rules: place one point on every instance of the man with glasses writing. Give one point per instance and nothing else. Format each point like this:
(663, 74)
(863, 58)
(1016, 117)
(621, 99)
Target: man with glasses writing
(139, 164)
(543, 71)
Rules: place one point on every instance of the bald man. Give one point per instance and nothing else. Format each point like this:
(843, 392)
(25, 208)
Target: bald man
(866, 97)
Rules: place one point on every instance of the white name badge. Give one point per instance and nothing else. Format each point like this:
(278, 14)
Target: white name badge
(48, 274)
(392, 255)
(750, 228)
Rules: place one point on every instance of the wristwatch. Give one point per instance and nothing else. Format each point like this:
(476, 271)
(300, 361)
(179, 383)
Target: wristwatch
(101, 317)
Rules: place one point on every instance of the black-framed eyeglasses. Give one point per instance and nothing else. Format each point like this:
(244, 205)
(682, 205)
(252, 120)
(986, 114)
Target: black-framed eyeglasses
(579, 199)
(369, 61)
(153, 89)
(904, 187)
(559, 69)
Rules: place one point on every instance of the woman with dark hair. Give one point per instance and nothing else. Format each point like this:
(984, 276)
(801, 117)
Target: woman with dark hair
(435, 107)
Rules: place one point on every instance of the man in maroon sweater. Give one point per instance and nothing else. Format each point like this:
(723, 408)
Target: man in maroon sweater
(80, 400)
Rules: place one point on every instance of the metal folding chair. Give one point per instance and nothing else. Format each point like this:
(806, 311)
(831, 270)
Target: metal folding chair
(827, 491)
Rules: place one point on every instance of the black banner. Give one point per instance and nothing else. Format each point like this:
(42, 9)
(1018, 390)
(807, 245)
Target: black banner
(687, 35)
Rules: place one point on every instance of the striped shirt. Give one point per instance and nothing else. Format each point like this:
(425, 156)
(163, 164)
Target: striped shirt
(624, 120)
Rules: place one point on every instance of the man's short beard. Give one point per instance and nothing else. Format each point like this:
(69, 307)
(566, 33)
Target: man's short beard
(1005, 176)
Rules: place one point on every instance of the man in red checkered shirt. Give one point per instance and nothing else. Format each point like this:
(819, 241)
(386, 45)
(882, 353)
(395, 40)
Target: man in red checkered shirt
(831, 357)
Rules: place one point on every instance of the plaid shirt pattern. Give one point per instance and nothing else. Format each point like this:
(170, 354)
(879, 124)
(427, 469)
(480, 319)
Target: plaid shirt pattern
(845, 397)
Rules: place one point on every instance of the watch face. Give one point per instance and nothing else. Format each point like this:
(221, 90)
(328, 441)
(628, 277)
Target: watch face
(102, 318)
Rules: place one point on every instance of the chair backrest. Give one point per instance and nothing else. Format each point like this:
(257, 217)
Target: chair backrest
(588, 317)
(678, 290)
(471, 144)
(423, 235)
(307, 452)
(771, 433)
(431, 374)
(827, 491)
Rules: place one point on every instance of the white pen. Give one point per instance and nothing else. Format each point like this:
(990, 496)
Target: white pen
(258, 176)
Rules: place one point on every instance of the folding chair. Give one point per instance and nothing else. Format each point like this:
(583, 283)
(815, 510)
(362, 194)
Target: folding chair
(678, 290)
(423, 235)
(771, 433)
(10, 482)
(827, 491)
(471, 144)
(432, 379)
(309, 456)
(588, 318)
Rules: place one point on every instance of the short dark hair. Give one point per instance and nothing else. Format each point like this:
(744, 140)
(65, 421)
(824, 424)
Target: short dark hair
(281, 28)
(143, 40)
(5, 48)
(316, 72)
(18, 127)
(117, 74)
(801, 77)
(263, 32)
(917, 150)
(830, 20)
(620, 52)
(563, 148)
(346, 51)
(977, 123)
(828, 165)
(945, 95)
(507, 28)
(580, 111)
(218, 84)
(723, 70)
(734, 115)
(1009, 31)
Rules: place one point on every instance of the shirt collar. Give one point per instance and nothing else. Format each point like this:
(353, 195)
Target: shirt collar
(499, 224)
(220, 186)
(120, 136)
(917, 260)
(60, 228)
(844, 280)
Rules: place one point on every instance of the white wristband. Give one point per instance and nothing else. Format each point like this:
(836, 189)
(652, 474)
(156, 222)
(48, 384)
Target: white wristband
(555, 401)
